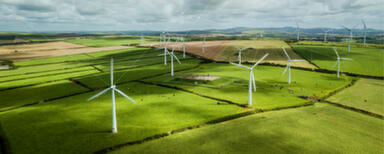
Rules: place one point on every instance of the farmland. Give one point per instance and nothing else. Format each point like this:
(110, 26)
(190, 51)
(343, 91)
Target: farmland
(48, 97)
(301, 130)
(225, 51)
(363, 58)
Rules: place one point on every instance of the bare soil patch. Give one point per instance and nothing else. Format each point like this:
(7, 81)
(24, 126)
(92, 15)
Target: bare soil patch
(51, 49)
(200, 77)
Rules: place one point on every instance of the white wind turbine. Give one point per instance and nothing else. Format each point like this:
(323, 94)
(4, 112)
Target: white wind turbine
(297, 32)
(251, 77)
(326, 33)
(350, 36)
(182, 39)
(338, 62)
(365, 30)
(113, 89)
(165, 49)
(172, 54)
(289, 65)
(239, 55)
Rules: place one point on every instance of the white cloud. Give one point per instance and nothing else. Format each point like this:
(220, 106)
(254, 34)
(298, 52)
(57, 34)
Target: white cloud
(185, 14)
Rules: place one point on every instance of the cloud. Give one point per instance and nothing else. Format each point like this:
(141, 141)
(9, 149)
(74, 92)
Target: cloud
(184, 14)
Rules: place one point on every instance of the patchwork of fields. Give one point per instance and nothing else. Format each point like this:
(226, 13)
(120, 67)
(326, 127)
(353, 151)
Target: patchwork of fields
(44, 107)
(226, 51)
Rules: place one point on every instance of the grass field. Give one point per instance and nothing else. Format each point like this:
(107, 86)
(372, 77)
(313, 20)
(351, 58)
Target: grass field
(339, 44)
(37, 94)
(272, 88)
(112, 41)
(365, 94)
(75, 125)
(366, 61)
(316, 129)
(44, 107)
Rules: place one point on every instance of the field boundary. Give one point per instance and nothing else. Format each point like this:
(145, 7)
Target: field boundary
(210, 122)
(354, 109)
(293, 49)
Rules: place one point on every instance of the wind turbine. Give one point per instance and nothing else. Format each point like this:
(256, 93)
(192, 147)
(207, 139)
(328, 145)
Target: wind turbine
(326, 33)
(289, 65)
(183, 47)
(173, 55)
(113, 89)
(165, 49)
(239, 56)
(203, 46)
(350, 36)
(251, 77)
(297, 32)
(365, 30)
(338, 62)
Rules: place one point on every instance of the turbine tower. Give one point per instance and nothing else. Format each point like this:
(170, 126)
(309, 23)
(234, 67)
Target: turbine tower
(365, 31)
(172, 54)
(338, 61)
(289, 65)
(251, 83)
(113, 89)
(239, 56)
(325, 34)
(350, 36)
(297, 32)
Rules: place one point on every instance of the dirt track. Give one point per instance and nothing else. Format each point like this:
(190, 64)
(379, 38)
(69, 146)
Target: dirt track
(51, 49)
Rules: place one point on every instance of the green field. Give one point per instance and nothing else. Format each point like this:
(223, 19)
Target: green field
(366, 61)
(269, 82)
(365, 94)
(316, 129)
(75, 125)
(44, 107)
(37, 94)
(112, 41)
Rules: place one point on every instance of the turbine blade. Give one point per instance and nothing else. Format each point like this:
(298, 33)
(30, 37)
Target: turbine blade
(346, 59)
(240, 65)
(126, 96)
(285, 52)
(285, 70)
(298, 60)
(257, 63)
(337, 54)
(98, 94)
(177, 59)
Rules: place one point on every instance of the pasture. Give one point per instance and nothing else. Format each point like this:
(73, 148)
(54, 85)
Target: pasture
(44, 107)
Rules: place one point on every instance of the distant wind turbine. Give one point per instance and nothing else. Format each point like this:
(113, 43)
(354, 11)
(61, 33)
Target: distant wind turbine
(251, 77)
(289, 65)
(113, 89)
(239, 55)
(297, 32)
(338, 61)
(326, 33)
(365, 30)
(350, 36)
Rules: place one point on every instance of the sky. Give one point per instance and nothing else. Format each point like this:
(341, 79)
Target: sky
(176, 15)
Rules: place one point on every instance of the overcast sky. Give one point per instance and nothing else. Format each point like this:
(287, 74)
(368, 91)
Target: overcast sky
(167, 15)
